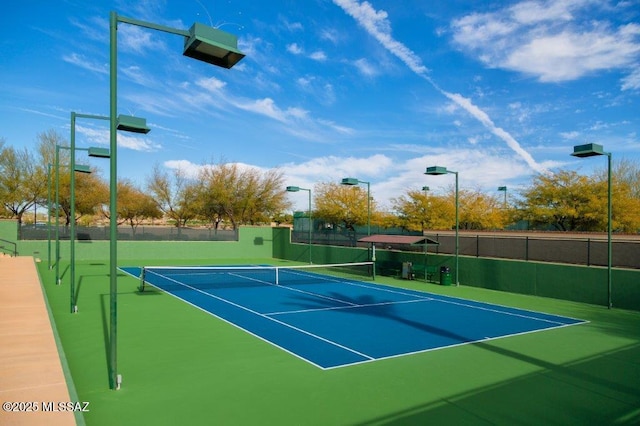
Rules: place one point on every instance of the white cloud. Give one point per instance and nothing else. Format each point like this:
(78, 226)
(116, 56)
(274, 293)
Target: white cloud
(268, 107)
(319, 56)
(211, 84)
(632, 81)
(330, 34)
(483, 170)
(125, 140)
(378, 26)
(295, 49)
(545, 39)
(138, 40)
(82, 62)
(570, 135)
(365, 67)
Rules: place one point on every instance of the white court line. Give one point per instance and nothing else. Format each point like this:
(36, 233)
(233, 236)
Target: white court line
(334, 308)
(265, 317)
(468, 305)
(385, 288)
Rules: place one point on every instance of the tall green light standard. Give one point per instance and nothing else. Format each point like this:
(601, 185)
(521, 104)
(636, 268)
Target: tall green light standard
(49, 182)
(296, 189)
(200, 42)
(504, 189)
(354, 181)
(591, 150)
(438, 170)
(77, 168)
(93, 152)
(426, 190)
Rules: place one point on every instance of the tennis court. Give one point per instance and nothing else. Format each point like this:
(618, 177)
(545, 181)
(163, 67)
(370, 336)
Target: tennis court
(336, 315)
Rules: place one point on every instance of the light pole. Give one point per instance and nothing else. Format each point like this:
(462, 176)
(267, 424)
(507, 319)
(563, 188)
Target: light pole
(438, 170)
(504, 189)
(354, 181)
(591, 150)
(75, 168)
(426, 190)
(93, 152)
(49, 182)
(296, 189)
(200, 42)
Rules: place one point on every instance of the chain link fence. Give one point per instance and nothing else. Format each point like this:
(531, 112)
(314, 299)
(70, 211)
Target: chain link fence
(570, 248)
(140, 233)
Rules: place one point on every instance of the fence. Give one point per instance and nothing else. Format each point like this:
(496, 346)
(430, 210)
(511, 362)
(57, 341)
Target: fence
(570, 248)
(141, 233)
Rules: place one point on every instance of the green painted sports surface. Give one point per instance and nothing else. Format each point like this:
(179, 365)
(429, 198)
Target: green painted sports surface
(183, 366)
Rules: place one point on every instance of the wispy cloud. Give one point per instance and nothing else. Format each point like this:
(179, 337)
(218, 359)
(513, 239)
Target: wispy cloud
(378, 26)
(101, 137)
(547, 40)
(295, 49)
(82, 62)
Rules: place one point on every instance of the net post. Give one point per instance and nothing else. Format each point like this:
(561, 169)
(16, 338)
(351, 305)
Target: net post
(277, 276)
(142, 276)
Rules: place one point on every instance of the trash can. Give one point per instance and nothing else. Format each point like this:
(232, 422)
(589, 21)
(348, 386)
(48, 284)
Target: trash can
(445, 275)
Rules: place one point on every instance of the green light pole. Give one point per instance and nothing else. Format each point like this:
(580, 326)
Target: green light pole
(296, 189)
(93, 152)
(504, 189)
(354, 181)
(426, 190)
(435, 171)
(200, 42)
(78, 168)
(592, 150)
(49, 182)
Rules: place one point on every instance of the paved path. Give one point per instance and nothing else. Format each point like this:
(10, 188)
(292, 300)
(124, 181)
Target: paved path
(30, 367)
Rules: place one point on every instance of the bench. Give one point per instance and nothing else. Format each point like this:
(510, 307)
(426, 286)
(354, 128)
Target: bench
(428, 272)
(388, 268)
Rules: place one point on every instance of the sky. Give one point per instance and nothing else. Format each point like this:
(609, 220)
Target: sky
(378, 90)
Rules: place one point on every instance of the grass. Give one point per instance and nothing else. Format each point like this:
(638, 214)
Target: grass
(182, 365)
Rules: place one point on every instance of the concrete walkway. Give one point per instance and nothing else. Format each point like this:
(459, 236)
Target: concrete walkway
(30, 368)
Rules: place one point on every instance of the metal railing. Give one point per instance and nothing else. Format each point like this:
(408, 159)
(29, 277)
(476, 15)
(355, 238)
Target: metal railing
(13, 251)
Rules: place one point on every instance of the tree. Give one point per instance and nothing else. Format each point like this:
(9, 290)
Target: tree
(625, 172)
(419, 211)
(571, 202)
(134, 206)
(175, 195)
(480, 211)
(241, 196)
(565, 200)
(21, 182)
(342, 205)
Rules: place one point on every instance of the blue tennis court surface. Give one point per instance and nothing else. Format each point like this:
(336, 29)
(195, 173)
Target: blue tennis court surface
(337, 323)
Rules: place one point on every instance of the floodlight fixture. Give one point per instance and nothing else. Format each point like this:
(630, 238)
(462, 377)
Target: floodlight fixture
(588, 150)
(98, 152)
(436, 170)
(213, 46)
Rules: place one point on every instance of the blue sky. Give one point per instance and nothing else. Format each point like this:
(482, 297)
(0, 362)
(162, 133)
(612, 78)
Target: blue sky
(377, 90)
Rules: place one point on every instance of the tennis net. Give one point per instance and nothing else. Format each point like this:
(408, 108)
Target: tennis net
(208, 277)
